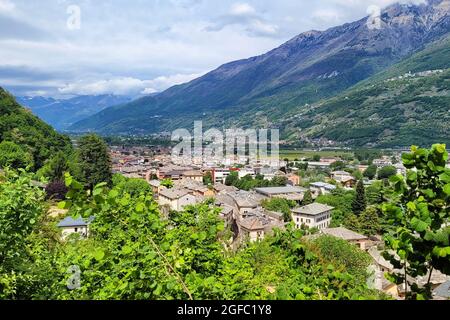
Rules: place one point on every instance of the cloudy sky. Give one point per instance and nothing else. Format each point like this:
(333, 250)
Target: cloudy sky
(63, 48)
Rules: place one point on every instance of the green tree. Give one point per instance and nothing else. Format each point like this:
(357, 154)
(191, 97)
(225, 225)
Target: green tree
(387, 172)
(208, 179)
(13, 156)
(359, 203)
(316, 157)
(341, 200)
(55, 168)
(168, 183)
(370, 172)
(94, 161)
(131, 186)
(369, 221)
(419, 216)
(21, 206)
(232, 178)
(338, 165)
(352, 222)
(280, 205)
(307, 198)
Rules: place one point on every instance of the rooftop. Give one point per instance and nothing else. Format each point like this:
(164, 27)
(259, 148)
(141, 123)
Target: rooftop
(71, 222)
(313, 209)
(173, 194)
(280, 190)
(344, 233)
(323, 185)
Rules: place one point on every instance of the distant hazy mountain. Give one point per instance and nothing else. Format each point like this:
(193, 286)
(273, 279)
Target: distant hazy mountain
(61, 114)
(262, 91)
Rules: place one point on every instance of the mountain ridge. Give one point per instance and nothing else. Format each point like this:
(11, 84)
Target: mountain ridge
(62, 113)
(312, 66)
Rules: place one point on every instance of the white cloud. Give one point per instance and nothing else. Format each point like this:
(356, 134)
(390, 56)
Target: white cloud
(242, 9)
(326, 15)
(6, 6)
(245, 16)
(125, 85)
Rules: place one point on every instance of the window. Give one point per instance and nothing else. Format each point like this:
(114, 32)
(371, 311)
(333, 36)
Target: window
(76, 229)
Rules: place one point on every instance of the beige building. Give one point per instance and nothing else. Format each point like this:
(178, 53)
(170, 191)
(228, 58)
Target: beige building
(348, 235)
(315, 215)
(256, 224)
(176, 199)
(195, 175)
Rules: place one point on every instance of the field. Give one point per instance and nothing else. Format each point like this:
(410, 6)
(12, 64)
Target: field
(299, 154)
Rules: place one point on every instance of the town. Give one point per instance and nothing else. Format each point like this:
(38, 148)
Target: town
(252, 198)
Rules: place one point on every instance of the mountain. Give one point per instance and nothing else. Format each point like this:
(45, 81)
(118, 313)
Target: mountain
(261, 91)
(20, 126)
(61, 114)
(407, 104)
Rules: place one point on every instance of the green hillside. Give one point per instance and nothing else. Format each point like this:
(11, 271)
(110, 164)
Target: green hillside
(397, 111)
(20, 126)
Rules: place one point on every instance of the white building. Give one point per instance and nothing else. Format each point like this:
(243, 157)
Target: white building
(315, 215)
(71, 226)
(176, 199)
(220, 175)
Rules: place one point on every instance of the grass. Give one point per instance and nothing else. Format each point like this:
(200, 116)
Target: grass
(299, 154)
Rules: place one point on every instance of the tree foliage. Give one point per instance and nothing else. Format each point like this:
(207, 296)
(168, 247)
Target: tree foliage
(359, 203)
(419, 219)
(94, 161)
(280, 205)
(36, 138)
(13, 156)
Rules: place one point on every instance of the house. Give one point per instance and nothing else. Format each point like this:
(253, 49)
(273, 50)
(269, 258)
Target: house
(318, 165)
(256, 224)
(330, 160)
(321, 188)
(69, 226)
(380, 266)
(339, 175)
(348, 182)
(348, 235)
(438, 281)
(362, 168)
(220, 175)
(156, 186)
(195, 188)
(221, 188)
(315, 215)
(245, 201)
(176, 199)
(193, 175)
(382, 162)
(345, 178)
(287, 192)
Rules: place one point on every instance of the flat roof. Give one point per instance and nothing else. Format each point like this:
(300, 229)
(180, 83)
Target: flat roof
(71, 222)
(173, 193)
(280, 190)
(344, 233)
(313, 209)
